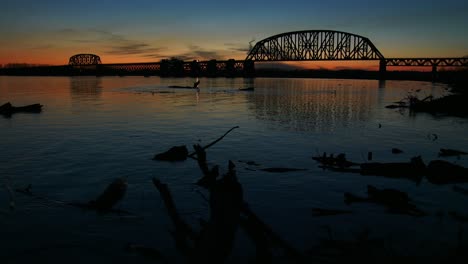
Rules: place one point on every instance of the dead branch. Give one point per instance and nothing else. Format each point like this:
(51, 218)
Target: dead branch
(183, 230)
(214, 142)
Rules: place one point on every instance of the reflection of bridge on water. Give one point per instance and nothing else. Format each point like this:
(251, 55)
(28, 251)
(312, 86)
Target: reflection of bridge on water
(85, 88)
(314, 105)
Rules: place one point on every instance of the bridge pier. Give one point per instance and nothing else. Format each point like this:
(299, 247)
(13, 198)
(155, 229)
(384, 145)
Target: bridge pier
(434, 73)
(249, 68)
(382, 69)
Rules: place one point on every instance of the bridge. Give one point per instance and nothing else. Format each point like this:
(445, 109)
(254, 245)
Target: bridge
(307, 45)
(330, 45)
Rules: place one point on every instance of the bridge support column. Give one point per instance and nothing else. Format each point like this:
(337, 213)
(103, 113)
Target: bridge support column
(382, 69)
(434, 73)
(249, 68)
(195, 68)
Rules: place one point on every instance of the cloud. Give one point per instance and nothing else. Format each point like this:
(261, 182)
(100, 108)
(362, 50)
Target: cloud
(129, 47)
(197, 53)
(238, 47)
(43, 47)
(114, 44)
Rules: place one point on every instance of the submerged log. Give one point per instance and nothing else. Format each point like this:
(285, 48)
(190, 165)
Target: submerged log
(104, 203)
(394, 200)
(177, 153)
(444, 172)
(331, 161)
(7, 109)
(280, 170)
(396, 151)
(209, 178)
(180, 153)
(451, 152)
(228, 187)
(217, 237)
(413, 170)
(248, 89)
(182, 87)
(111, 195)
(450, 105)
(183, 231)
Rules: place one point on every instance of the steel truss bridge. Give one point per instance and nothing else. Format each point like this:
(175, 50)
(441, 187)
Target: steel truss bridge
(307, 45)
(330, 45)
(90, 63)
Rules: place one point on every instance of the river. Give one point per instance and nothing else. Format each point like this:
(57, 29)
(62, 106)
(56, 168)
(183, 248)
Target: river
(93, 130)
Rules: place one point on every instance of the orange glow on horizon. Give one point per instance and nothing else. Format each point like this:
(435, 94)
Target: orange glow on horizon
(61, 56)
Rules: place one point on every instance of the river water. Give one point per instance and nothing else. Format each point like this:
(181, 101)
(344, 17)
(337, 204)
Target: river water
(93, 130)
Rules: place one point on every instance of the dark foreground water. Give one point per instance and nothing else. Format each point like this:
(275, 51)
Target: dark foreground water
(93, 130)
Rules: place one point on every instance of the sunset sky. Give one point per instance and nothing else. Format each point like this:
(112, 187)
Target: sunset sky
(50, 31)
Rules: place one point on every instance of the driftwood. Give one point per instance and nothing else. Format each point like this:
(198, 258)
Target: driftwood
(227, 211)
(210, 176)
(182, 229)
(180, 153)
(214, 142)
(111, 195)
(451, 104)
(444, 172)
(214, 243)
(103, 203)
(332, 162)
(177, 153)
(396, 151)
(394, 200)
(279, 170)
(413, 170)
(268, 232)
(261, 234)
(8, 110)
(182, 87)
(248, 89)
(249, 162)
(451, 152)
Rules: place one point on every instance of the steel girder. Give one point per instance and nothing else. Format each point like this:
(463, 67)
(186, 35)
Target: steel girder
(454, 62)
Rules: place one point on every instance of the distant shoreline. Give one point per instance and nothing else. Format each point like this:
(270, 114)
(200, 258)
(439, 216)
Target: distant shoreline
(453, 77)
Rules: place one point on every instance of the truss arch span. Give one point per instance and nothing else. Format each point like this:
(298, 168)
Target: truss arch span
(314, 45)
(84, 60)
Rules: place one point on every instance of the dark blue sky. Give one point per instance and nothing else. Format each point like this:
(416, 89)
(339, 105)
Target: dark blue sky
(150, 30)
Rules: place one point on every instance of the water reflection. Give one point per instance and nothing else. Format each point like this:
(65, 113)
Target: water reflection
(87, 88)
(313, 105)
